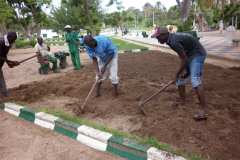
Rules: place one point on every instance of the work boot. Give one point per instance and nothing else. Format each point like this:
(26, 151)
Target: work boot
(98, 93)
(200, 116)
(63, 63)
(115, 90)
(44, 69)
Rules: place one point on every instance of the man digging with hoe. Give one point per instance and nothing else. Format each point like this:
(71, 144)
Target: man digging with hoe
(192, 55)
(105, 59)
(5, 44)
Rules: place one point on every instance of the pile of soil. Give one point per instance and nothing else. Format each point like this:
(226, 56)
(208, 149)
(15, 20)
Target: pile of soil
(141, 75)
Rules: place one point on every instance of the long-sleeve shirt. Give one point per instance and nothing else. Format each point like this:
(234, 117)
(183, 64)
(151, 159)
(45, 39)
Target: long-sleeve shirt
(4, 48)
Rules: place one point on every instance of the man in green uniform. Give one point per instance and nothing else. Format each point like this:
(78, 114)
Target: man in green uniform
(72, 40)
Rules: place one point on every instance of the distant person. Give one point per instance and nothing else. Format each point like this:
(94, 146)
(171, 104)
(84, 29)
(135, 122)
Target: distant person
(171, 28)
(192, 55)
(5, 44)
(81, 40)
(105, 59)
(231, 28)
(43, 52)
(73, 43)
(221, 25)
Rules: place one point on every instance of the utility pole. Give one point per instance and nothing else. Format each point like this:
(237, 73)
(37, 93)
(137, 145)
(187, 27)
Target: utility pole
(153, 18)
(236, 22)
(136, 21)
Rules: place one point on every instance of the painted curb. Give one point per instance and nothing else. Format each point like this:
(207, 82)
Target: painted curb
(127, 148)
(12, 108)
(45, 120)
(66, 128)
(91, 137)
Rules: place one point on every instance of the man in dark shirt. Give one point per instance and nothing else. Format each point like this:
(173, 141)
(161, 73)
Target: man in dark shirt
(192, 55)
(5, 44)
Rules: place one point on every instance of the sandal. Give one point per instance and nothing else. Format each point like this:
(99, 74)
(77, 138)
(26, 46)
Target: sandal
(200, 116)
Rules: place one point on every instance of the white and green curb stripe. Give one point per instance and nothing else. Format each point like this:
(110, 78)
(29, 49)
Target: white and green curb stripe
(94, 138)
(91, 137)
(12, 108)
(45, 120)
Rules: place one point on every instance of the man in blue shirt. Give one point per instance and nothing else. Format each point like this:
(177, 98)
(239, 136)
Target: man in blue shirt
(192, 55)
(105, 59)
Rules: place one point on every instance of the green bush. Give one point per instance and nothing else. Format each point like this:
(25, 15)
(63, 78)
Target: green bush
(24, 43)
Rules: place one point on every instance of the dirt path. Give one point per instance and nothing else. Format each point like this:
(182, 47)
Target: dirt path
(21, 140)
(217, 139)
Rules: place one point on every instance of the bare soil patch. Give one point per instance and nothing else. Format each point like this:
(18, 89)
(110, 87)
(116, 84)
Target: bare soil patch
(218, 138)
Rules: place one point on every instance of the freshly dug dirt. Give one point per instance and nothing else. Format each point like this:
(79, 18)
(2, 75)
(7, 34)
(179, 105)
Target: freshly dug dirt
(142, 74)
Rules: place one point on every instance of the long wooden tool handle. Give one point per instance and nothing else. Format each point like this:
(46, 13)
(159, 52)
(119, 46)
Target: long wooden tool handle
(89, 94)
(24, 60)
(158, 92)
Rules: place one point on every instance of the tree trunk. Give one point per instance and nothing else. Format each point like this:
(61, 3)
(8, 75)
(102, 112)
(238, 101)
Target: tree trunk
(3, 29)
(185, 9)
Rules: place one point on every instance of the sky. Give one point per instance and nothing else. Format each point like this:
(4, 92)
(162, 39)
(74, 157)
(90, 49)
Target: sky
(128, 3)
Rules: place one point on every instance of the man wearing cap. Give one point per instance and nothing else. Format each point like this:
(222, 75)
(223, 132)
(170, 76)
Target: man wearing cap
(5, 44)
(105, 59)
(192, 55)
(73, 42)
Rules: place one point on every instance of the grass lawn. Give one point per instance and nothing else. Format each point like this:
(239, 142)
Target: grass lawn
(123, 45)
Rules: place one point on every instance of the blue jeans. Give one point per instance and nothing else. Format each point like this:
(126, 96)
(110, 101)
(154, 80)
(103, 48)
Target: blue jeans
(195, 67)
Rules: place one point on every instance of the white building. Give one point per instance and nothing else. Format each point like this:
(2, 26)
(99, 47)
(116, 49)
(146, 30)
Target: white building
(48, 33)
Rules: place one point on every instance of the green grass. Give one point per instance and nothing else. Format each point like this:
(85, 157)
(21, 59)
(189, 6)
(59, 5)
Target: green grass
(146, 140)
(123, 45)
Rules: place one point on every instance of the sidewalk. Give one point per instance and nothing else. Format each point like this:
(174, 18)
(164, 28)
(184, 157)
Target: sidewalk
(215, 43)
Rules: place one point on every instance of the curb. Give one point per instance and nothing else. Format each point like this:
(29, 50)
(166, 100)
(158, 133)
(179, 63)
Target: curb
(133, 50)
(91, 137)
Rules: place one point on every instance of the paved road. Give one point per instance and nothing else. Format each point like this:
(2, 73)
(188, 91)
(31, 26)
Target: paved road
(22, 140)
(215, 43)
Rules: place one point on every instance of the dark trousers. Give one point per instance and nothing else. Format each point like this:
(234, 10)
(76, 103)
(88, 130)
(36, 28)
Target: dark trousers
(3, 87)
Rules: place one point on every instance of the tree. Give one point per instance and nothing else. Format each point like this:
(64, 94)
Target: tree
(29, 15)
(6, 13)
(84, 14)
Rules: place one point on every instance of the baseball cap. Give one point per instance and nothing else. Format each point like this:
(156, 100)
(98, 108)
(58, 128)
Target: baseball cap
(67, 26)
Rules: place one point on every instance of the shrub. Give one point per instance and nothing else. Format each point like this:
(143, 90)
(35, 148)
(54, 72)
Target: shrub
(24, 43)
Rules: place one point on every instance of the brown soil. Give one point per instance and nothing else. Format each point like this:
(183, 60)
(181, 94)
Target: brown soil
(217, 138)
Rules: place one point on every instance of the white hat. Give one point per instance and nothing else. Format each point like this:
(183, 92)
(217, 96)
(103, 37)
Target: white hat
(67, 26)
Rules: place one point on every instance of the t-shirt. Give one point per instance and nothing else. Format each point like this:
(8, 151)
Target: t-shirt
(42, 49)
(3, 51)
(104, 49)
(183, 42)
